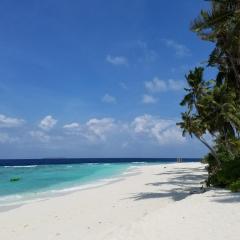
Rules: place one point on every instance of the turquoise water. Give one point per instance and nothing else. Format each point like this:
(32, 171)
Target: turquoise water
(39, 181)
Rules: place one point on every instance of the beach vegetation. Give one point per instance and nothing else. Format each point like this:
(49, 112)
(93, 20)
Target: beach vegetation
(213, 105)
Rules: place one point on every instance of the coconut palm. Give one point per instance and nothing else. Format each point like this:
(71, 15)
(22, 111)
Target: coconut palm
(221, 25)
(211, 109)
(213, 106)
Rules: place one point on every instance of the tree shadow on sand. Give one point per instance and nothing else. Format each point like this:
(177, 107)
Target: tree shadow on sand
(186, 179)
(182, 183)
(175, 195)
(225, 196)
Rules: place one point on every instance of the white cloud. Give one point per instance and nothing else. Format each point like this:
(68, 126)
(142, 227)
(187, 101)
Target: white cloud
(169, 134)
(108, 99)
(72, 126)
(5, 138)
(47, 123)
(8, 122)
(40, 136)
(107, 130)
(142, 123)
(180, 49)
(158, 85)
(117, 60)
(164, 131)
(100, 127)
(147, 99)
(94, 129)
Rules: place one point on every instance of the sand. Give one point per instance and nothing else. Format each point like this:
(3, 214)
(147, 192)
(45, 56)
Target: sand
(151, 202)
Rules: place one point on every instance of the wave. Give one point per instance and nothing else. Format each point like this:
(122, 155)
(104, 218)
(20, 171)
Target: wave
(27, 166)
(10, 197)
(69, 166)
(99, 183)
(14, 200)
(139, 162)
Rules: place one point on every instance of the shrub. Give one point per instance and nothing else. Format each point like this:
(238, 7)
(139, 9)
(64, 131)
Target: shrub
(228, 174)
(235, 186)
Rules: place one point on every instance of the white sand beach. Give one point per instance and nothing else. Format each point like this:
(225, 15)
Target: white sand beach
(153, 203)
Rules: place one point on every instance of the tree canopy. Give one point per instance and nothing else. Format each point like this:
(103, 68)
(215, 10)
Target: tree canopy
(213, 105)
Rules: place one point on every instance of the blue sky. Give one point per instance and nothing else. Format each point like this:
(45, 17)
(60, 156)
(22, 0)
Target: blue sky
(96, 78)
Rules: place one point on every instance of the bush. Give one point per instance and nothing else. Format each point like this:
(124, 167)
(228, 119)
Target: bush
(235, 186)
(228, 174)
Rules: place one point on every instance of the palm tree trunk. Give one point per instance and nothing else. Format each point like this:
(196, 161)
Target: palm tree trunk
(213, 152)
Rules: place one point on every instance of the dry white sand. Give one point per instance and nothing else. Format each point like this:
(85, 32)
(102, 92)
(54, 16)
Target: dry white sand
(154, 204)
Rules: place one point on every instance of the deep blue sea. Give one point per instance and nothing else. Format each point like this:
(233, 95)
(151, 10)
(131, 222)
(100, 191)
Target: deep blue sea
(40, 178)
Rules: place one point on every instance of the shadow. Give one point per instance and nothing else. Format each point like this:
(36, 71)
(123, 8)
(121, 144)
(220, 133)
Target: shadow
(225, 196)
(175, 183)
(181, 171)
(181, 179)
(174, 195)
(181, 183)
(172, 172)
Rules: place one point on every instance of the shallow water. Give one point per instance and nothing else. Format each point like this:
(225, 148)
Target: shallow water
(43, 181)
(37, 181)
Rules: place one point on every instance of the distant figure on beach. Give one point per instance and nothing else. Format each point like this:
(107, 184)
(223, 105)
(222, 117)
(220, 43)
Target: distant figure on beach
(179, 160)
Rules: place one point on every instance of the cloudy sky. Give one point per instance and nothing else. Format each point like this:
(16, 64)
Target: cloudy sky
(96, 78)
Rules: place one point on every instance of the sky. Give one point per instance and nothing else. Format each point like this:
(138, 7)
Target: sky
(96, 78)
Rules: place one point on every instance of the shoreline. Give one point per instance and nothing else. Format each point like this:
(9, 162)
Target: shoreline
(58, 192)
(54, 193)
(154, 204)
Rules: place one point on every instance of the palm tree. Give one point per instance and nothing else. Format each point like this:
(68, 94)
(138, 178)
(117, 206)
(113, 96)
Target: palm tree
(213, 106)
(211, 109)
(221, 25)
(193, 121)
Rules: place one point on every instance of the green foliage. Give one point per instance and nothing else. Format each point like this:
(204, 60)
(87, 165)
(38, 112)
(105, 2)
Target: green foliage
(228, 173)
(235, 186)
(213, 106)
(221, 25)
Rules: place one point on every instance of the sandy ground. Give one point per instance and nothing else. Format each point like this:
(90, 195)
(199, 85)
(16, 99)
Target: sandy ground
(152, 204)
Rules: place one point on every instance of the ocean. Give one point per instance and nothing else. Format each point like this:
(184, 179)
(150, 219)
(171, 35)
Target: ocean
(24, 180)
